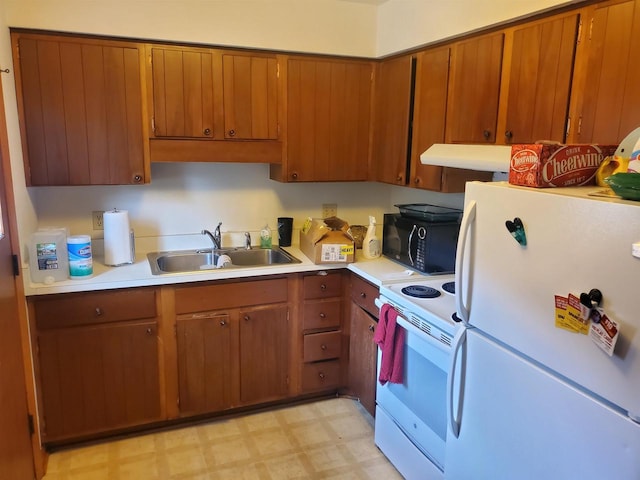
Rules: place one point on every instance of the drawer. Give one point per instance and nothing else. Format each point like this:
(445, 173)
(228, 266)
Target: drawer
(321, 375)
(322, 346)
(364, 294)
(230, 295)
(322, 286)
(86, 308)
(321, 314)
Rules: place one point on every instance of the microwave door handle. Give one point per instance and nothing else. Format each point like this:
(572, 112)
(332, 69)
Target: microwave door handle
(413, 230)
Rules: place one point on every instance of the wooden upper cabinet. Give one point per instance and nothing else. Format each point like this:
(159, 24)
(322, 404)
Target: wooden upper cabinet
(183, 92)
(392, 99)
(539, 78)
(328, 120)
(250, 97)
(81, 110)
(472, 110)
(430, 108)
(609, 107)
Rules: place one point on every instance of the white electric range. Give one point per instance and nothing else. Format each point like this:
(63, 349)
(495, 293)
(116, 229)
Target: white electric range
(411, 423)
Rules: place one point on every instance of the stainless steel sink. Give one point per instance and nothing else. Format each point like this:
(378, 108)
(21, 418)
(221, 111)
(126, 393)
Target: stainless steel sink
(185, 261)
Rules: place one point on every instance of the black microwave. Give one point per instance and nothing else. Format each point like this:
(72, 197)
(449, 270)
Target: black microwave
(428, 247)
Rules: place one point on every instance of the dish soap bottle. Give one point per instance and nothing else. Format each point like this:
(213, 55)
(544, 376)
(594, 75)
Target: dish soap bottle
(371, 243)
(265, 237)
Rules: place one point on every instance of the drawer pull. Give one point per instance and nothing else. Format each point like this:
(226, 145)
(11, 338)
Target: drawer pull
(149, 331)
(363, 295)
(322, 315)
(323, 287)
(98, 312)
(222, 323)
(247, 318)
(323, 347)
(372, 328)
(321, 375)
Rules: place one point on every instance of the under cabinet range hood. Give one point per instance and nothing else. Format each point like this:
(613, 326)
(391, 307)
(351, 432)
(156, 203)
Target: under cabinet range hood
(485, 158)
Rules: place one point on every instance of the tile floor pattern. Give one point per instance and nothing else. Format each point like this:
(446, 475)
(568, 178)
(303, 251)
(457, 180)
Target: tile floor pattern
(327, 439)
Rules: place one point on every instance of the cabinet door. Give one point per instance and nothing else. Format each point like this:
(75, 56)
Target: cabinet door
(611, 97)
(362, 357)
(250, 97)
(430, 108)
(264, 354)
(206, 346)
(183, 102)
(81, 106)
(540, 81)
(96, 379)
(328, 120)
(472, 110)
(392, 116)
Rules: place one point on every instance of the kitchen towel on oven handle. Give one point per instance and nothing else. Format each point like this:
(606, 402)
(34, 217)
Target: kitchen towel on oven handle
(390, 338)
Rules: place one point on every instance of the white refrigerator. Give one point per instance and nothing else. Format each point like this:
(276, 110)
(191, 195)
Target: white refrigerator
(529, 399)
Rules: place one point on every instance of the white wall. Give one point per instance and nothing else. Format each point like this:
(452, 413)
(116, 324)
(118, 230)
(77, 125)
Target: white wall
(404, 24)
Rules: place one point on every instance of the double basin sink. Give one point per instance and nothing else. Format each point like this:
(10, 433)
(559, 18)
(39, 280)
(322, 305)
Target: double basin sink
(185, 261)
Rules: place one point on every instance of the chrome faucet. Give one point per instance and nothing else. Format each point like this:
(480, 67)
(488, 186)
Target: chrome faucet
(216, 237)
(247, 240)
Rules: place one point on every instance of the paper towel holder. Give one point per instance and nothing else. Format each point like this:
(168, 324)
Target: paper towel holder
(119, 247)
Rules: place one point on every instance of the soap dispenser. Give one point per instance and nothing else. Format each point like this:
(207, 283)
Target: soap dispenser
(265, 237)
(371, 243)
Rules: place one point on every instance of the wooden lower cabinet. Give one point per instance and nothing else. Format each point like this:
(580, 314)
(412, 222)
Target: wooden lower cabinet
(233, 356)
(362, 350)
(96, 374)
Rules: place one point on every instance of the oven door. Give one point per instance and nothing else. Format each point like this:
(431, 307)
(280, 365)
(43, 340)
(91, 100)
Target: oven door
(418, 405)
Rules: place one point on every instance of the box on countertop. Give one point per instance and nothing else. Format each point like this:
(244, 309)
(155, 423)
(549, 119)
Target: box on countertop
(556, 165)
(327, 241)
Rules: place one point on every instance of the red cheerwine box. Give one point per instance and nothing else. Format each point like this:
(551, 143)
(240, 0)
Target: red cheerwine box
(556, 165)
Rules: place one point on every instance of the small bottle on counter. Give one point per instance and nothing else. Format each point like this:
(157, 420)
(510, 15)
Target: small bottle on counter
(371, 243)
(265, 237)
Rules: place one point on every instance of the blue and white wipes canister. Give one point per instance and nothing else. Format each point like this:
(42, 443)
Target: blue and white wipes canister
(80, 258)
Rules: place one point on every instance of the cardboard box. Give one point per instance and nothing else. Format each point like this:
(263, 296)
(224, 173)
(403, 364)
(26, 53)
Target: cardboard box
(556, 165)
(327, 241)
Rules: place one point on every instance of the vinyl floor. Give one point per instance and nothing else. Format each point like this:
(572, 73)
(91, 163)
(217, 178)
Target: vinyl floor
(326, 439)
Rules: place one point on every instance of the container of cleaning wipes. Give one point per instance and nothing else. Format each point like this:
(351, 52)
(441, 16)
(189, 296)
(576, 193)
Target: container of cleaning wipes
(80, 256)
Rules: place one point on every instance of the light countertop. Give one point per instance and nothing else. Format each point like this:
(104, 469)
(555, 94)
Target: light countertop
(138, 274)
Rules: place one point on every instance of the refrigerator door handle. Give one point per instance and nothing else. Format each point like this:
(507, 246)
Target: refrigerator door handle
(459, 346)
(468, 218)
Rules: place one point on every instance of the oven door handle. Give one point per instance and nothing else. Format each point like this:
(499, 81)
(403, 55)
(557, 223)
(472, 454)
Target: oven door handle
(459, 346)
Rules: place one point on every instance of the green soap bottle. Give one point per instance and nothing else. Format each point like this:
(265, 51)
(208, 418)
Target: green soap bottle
(265, 237)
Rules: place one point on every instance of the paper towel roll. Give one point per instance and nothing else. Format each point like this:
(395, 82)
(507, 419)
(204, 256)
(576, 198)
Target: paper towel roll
(117, 238)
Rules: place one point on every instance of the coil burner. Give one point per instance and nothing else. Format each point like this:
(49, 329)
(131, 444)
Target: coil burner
(420, 291)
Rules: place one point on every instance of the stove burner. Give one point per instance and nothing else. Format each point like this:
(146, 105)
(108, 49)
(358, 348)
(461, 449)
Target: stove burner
(420, 291)
(449, 287)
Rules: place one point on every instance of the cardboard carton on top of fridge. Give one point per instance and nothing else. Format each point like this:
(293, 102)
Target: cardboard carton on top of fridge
(556, 165)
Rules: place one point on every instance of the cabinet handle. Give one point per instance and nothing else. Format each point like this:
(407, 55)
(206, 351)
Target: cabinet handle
(137, 178)
(416, 180)
(294, 175)
(232, 133)
(247, 318)
(149, 331)
(207, 131)
(363, 295)
(508, 135)
(223, 323)
(321, 375)
(399, 178)
(372, 328)
(98, 312)
(323, 347)
(322, 315)
(323, 287)
(486, 134)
